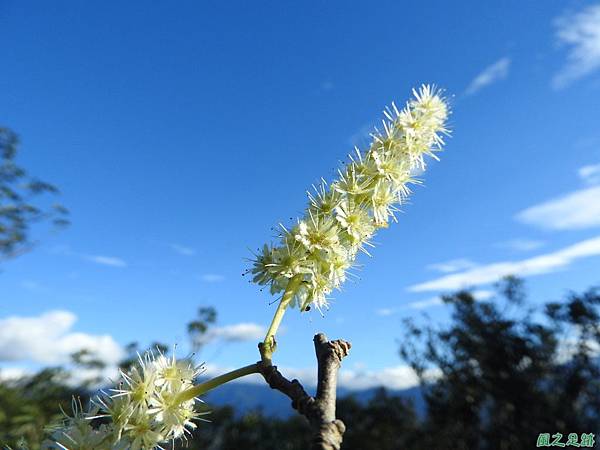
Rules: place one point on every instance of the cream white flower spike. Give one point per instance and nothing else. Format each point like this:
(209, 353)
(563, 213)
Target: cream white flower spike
(145, 411)
(343, 216)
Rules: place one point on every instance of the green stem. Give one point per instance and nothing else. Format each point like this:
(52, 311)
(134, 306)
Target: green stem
(268, 346)
(202, 388)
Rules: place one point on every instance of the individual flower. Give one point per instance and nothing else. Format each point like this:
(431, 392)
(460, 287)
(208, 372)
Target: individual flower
(139, 384)
(143, 431)
(317, 232)
(383, 205)
(343, 216)
(289, 259)
(172, 374)
(174, 416)
(356, 222)
(263, 263)
(324, 200)
(76, 432)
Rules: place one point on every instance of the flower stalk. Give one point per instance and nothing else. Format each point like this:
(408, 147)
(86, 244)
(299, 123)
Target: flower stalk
(203, 388)
(269, 343)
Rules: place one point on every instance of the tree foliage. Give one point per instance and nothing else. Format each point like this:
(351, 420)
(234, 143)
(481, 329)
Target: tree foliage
(20, 202)
(507, 371)
(29, 404)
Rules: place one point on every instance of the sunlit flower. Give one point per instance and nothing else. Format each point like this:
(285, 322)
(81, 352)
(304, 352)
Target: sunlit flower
(147, 408)
(143, 431)
(355, 221)
(383, 205)
(324, 200)
(172, 374)
(317, 233)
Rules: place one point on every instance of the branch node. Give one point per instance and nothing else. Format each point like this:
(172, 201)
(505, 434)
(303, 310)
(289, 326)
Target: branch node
(320, 411)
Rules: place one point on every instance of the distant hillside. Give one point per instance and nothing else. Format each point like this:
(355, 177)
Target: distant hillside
(249, 396)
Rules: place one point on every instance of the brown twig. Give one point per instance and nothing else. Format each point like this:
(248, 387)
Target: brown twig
(319, 410)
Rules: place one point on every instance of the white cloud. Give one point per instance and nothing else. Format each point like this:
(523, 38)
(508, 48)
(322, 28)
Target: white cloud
(98, 378)
(394, 377)
(48, 339)
(95, 378)
(521, 245)
(590, 174)
(13, 373)
(106, 260)
(453, 265)
(182, 250)
(489, 75)
(479, 294)
(212, 278)
(422, 304)
(385, 312)
(545, 263)
(97, 259)
(581, 33)
(576, 210)
(482, 294)
(569, 346)
(238, 332)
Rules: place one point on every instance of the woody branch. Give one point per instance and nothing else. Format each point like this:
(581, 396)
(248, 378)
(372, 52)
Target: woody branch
(319, 410)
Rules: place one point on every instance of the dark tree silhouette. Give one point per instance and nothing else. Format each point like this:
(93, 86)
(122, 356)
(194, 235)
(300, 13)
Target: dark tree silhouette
(508, 371)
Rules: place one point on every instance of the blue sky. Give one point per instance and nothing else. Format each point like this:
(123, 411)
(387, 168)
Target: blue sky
(181, 134)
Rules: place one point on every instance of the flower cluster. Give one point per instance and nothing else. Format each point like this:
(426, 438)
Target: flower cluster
(343, 216)
(148, 407)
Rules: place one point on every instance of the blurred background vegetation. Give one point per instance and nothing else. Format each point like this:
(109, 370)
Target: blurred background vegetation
(497, 376)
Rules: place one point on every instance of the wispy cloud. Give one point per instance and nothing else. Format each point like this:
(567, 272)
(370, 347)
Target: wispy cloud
(479, 294)
(545, 263)
(33, 286)
(482, 294)
(590, 174)
(385, 311)
(453, 265)
(103, 260)
(48, 339)
(422, 304)
(491, 74)
(521, 245)
(576, 210)
(212, 278)
(182, 250)
(239, 332)
(579, 31)
(111, 261)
